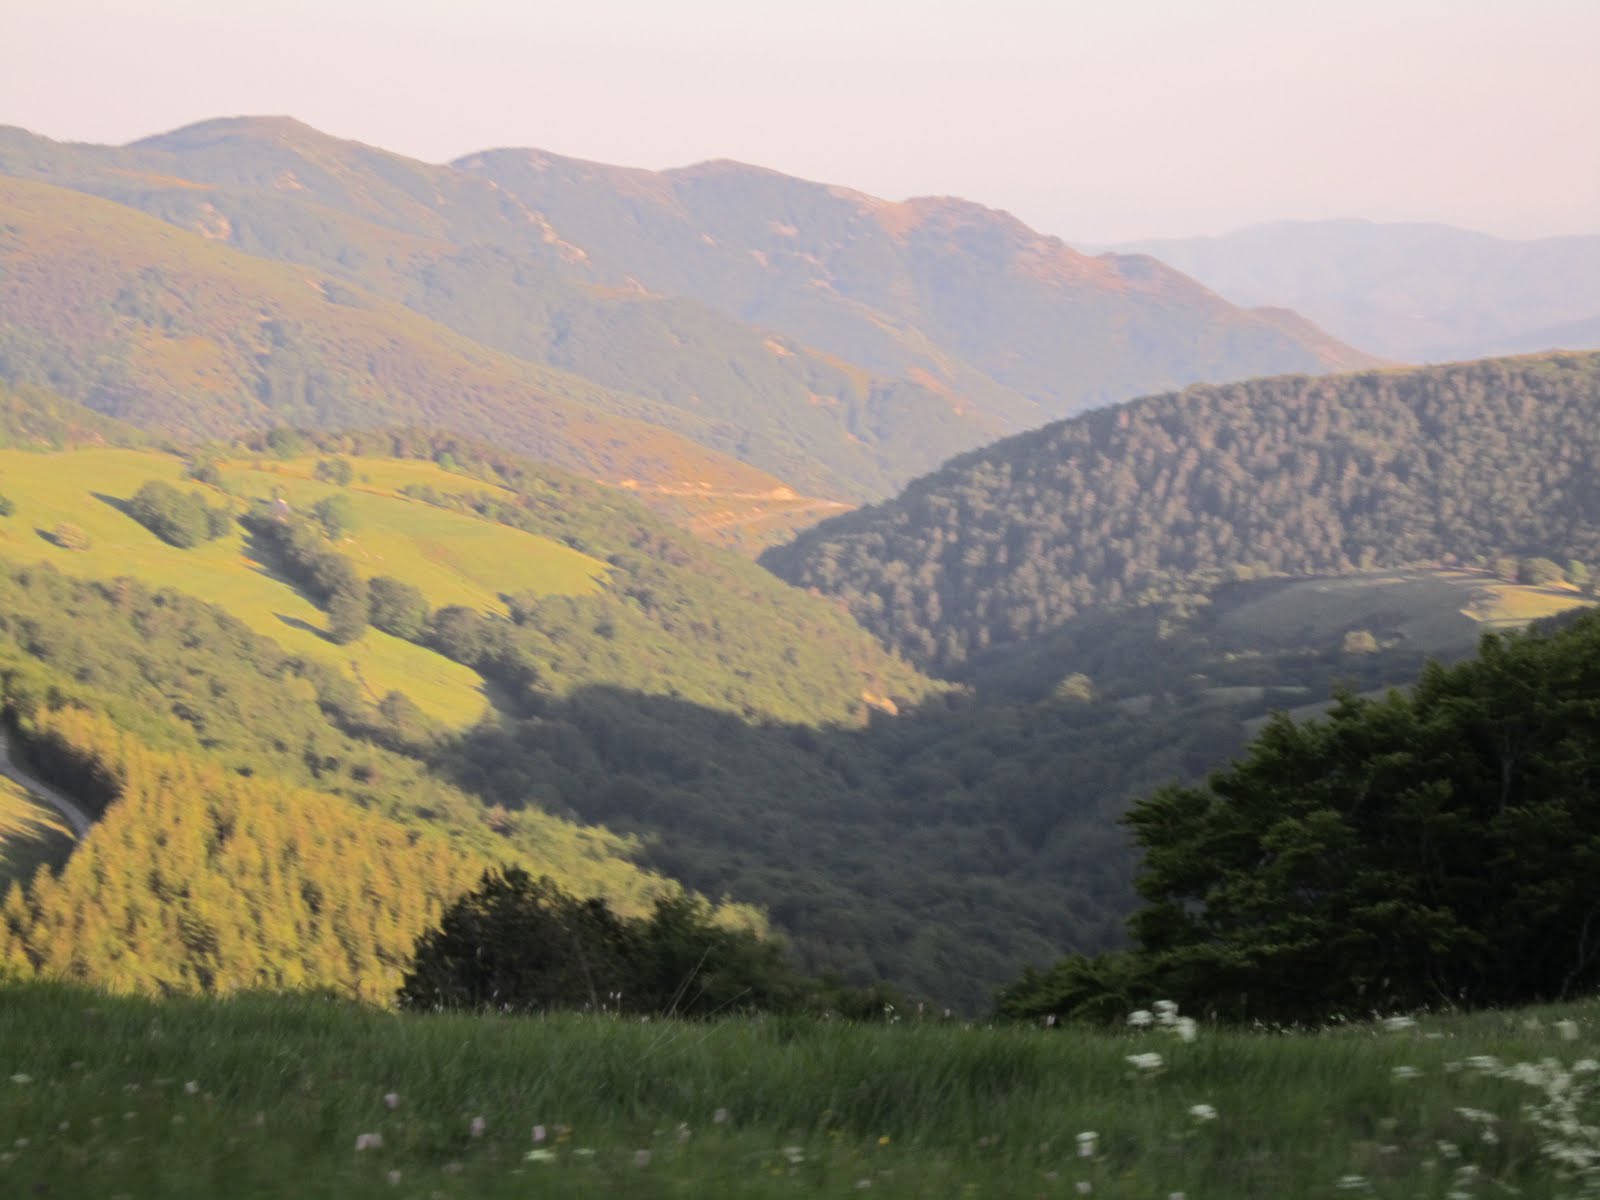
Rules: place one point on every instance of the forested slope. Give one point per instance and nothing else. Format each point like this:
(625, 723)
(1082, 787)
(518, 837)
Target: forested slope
(1173, 493)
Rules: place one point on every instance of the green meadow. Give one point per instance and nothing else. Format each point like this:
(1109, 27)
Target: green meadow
(263, 1096)
(451, 557)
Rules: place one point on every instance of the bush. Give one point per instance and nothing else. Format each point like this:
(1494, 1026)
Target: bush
(179, 519)
(523, 945)
(69, 537)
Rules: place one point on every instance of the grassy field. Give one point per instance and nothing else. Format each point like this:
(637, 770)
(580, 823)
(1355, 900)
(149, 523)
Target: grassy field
(281, 1096)
(452, 558)
(32, 834)
(1435, 611)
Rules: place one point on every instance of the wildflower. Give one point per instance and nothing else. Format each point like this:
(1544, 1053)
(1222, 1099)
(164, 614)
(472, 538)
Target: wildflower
(1088, 1143)
(538, 1134)
(720, 1117)
(1352, 1183)
(1084, 1187)
(1403, 1073)
(392, 1100)
(683, 1133)
(1140, 1018)
(539, 1156)
(1568, 1030)
(1187, 1028)
(585, 1152)
(369, 1141)
(1166, 1010)
(478, 1126)
(1484, 1062)
(1585, 1066)
(1477, 1116)
(1145, 1062)
(795, 1155)
(863, 1184)
(641, 1159)
(1202, 1112)
(192, 1088)
(394, 1178)
(884, 1140)
(20, 1078)
(1396, 1024)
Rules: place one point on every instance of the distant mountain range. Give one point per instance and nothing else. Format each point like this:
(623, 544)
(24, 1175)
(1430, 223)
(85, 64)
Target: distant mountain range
(834, 342)
(1417, 292)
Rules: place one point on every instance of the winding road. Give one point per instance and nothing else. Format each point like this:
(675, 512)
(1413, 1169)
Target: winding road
(74, 815)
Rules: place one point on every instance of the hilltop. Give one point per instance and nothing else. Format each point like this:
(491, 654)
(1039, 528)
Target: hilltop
(836, 341)
(1170, 495)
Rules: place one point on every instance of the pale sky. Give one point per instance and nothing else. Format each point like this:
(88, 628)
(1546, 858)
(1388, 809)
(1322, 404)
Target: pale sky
(1095, 121)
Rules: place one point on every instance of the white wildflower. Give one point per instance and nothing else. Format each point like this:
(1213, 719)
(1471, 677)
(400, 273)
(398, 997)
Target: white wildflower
(478, 1126)
(192, 1087)
(369, 1141)
(1396, 1024)
(1141, 1018)
(1568, 1030)
(539, 1155)
(392, 1100)
(1202, 1112)
(1145, 1062)
(1187, 1028)
(21, 1078)
(641, 1159)
(1402, 1073)
(1088, 1143)
(538, 1134)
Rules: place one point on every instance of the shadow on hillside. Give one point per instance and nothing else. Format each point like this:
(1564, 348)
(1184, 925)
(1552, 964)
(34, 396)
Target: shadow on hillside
(303, 626)
(124, 507)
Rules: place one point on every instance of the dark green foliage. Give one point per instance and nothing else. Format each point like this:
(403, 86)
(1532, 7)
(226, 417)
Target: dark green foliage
(517, 944)
(334, 470)
(297, 547)
(7, 507)
(1172, 494)
(178, 518)
(335, 514)
(1540, 572)
(1433, 848)
(397, 608)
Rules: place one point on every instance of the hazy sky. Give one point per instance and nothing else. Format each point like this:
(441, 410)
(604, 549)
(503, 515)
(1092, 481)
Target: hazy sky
(1095, 121)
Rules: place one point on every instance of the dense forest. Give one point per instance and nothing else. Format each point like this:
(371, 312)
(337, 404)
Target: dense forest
(1172, 494)
(1432, 847)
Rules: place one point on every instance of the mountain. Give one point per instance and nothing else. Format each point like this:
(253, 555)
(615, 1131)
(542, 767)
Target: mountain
(1415, 292)
(1171, 494)
(841, 343)
(883, 283)
(173, 331)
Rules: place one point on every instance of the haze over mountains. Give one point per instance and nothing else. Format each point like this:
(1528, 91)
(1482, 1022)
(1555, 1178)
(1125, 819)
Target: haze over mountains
(838, 342)
(1416, 292)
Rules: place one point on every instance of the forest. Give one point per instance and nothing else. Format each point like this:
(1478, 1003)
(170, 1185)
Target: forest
(1174, 494)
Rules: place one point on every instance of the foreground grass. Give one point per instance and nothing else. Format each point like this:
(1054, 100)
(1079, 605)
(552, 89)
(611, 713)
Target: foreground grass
(270, 1096)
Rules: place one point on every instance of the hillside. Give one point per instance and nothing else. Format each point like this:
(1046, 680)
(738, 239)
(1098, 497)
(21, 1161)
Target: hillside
(1411, 291)
(880, 283)
(837, 341)
(172, 331)
(1171, 494)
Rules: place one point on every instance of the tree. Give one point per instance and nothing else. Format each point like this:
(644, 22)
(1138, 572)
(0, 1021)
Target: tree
(334, 470)
(520, 944)
(336, 515)
(1539, 572)
(1437, 847)
(348, 606)
(397, 608)
(1578, 575)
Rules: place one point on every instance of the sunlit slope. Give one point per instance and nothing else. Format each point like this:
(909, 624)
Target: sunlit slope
(450, 557)
(180, 333)
(32, 835)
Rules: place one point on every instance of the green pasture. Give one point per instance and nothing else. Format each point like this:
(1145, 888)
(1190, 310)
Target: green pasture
(453, 558)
